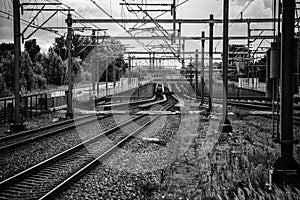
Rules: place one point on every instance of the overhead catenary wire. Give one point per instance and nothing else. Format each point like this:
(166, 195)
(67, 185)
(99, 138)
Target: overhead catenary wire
(238, 16)
(23, 21)
(140, 42)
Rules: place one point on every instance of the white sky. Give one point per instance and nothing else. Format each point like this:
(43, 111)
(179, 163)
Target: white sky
(193, 9)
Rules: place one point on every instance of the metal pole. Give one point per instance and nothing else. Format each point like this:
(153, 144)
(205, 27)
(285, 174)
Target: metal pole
(97, 75)
(268, 79)
(153, 62)
(129, 71)
(106, 77)
(202, 65)
(179, 38)
(70, 85)
(17, 125)
(286, 97)
(225, 126)
(150, 61)
(191, 74)
(174, 20)
(183, 54)
(286, 169)
(211, 43)
(94, 76)
(248, 41)
(196, 73)
(114, 77)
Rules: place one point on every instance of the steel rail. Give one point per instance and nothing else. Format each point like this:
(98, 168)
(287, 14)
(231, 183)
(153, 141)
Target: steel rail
(99, 159)
(9, 185)
(30, 136)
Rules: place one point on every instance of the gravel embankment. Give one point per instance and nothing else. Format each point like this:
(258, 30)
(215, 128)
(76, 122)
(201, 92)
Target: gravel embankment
(193, 165)
(25, 156)
(132, 172)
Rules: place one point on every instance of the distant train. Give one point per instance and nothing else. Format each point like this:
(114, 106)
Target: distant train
(159, 90)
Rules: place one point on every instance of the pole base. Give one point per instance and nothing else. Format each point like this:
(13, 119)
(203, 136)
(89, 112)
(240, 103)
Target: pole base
(285, 177)
(225, 126)
(209, 104)
(14, 128)
(69, 115)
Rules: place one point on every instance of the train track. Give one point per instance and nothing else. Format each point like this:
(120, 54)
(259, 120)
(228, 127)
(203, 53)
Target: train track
(25, 137)
(262, 107)
(48, 178)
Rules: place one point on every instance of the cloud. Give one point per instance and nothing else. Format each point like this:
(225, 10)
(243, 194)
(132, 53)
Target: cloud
(199, 9)
(267, 4)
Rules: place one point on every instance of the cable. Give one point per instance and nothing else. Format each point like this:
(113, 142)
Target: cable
(141, 43)
(23, 21)
(243, 10)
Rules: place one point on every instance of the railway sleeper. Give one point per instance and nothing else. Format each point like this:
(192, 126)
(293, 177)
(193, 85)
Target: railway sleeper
(32, 178)
(27, 183)
(7, 195)
(22, 185)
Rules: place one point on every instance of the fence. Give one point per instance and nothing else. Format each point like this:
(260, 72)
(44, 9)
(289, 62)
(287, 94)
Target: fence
(31, 105)
(36, 104)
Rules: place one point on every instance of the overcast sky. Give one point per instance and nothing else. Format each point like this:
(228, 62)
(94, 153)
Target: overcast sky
(198, 9)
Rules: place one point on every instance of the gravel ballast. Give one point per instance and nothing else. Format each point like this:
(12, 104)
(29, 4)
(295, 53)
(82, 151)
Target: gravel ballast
(25, 156)
(194, 165)
(135, 170)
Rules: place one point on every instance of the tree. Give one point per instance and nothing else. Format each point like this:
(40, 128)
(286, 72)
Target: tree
(80, 46)
(31, 73)
(7, 70)
(60, 48)
(76, 70)
(38, 70)
(54, 68)
(32, 48)
(26, 79)
(7, 47)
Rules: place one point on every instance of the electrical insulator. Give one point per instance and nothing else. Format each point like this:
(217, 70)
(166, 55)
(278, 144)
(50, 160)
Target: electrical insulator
(274, 65)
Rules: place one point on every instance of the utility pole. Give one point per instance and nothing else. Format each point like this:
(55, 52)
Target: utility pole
(211, 49)
(286, 170)
(150, 61)
(225, 125)
(18, 124)
(249, 55)
(196, 74)
(202, 66)
(173, 9)
(179, 38)
(94, 75)
(70, 85)
(97, 73)
(106, 78)
(153, 62)
(114, 77)
(129, 70)
(183, 53)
